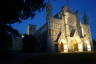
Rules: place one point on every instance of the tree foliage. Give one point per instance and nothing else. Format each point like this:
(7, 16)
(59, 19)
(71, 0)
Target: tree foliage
(12, 11)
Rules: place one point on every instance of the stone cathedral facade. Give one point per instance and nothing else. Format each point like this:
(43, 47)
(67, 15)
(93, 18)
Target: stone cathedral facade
(64, 32)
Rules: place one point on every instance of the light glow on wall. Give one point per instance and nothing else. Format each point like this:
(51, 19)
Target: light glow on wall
(88, 45)
(80, 47)
(65, 48)
(65, 51)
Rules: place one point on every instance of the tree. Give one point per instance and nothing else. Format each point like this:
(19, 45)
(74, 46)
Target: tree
(12, 11)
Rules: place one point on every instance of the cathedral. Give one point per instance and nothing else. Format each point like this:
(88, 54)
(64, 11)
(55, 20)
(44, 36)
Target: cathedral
(64, 32)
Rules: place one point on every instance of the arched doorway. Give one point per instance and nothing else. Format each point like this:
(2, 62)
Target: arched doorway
(61, 47)
(75, 44)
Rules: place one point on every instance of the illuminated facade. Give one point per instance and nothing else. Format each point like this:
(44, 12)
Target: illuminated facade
(66, 33)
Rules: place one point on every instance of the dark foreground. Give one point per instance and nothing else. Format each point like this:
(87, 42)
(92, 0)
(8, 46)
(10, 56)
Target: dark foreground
(45, 58)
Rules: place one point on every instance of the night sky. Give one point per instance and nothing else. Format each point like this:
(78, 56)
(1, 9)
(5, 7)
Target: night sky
(81, 5)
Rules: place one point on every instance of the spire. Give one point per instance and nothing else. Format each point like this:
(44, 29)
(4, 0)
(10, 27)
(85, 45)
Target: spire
(67, 7)
(85, 18)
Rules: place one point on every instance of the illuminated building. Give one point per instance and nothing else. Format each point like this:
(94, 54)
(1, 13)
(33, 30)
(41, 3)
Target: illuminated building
(64, 32)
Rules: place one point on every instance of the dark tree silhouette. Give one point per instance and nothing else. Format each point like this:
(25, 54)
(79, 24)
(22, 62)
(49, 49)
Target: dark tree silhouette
(30, 44)
(12, 11)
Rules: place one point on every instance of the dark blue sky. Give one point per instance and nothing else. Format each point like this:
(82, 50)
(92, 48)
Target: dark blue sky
(81, 5)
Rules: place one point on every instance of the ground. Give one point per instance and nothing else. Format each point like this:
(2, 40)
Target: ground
(64, 58)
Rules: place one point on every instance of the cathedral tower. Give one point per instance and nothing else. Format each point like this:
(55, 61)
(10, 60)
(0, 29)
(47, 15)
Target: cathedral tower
(88, 45)
(66, 33)
(48, 18)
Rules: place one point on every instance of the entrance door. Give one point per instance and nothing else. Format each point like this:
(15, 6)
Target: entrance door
(61, 47)
(75, 45)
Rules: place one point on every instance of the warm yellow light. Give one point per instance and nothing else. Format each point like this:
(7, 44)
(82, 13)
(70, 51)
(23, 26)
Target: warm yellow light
(80, 47)
(65, 48)
(86, 41)
(65, 51)
(89, 49)
(62, 40)
(78, 39)
(88, 45)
